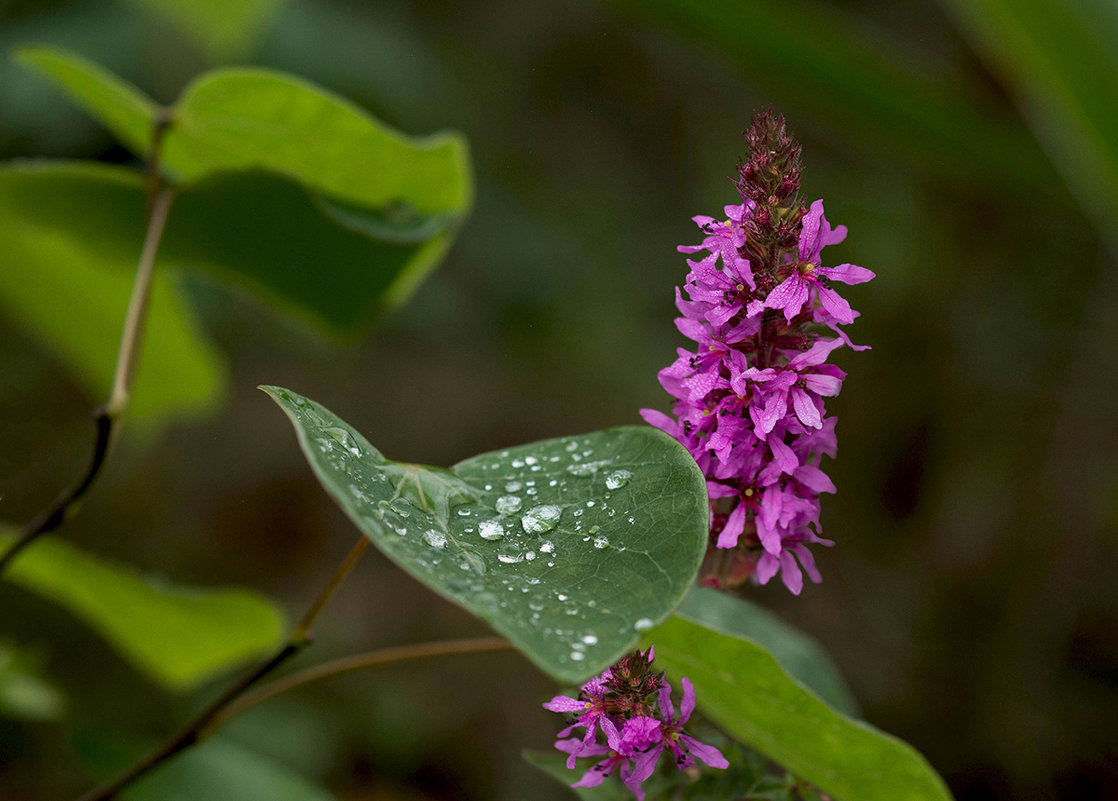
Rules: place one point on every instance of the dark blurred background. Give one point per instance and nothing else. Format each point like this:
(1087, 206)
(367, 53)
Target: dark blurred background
(970, 597)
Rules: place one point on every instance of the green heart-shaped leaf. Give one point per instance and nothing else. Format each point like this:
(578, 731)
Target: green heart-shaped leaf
(741, 687)
(569, 547)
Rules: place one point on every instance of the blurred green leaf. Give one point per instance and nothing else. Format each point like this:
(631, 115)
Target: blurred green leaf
(178, 636)
(71, 235)
(238, 119)
(222, 770)
(255, 229)
(222, 29)
(267, 233)
(394, 202)
(743, 689)
(878, 92)
(24, 693)
(1059, 60)
(124, 109)
(569, 547)
(801, 656)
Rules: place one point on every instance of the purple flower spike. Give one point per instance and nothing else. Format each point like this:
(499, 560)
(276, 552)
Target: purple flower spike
(638, 722)
(750, 400)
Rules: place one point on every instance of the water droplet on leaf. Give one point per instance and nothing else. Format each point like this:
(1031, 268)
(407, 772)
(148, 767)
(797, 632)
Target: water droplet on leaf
(618, 479)
(491, 530)
(436, 539)
(541, 519)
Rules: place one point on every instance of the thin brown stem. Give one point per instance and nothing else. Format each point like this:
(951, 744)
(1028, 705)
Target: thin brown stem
(303, 627)
(349, 664)
(201, 725)
(107, 417)
(135, 320)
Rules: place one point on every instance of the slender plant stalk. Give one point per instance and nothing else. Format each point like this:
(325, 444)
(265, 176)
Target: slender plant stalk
(106, 418)
(349, 664)
(201, 725)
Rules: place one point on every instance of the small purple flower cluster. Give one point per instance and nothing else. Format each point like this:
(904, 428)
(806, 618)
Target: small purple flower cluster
(632, 707)
(750, 398)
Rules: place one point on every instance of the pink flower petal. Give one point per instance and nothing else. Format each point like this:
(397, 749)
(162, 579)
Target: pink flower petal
(790, 573)
(728, 537)
(805, 409)
(707, 753)
(564, 703)
(848, 274)
(687, 706)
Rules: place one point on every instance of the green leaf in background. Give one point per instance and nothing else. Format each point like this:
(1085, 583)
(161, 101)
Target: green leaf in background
(743, 689)
(238, 119)
(801, 656)
(71, 234)
(822, 62)
(393, 202)
(222, 29)
(124, 109)
(569, 547)
(267, 233)
(24, 693)
(178, 636)
(221, 770)
(1059, 60)
(255, 229)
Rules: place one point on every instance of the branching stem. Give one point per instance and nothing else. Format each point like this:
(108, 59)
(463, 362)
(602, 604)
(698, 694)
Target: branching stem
(107, 417)
(205, 722)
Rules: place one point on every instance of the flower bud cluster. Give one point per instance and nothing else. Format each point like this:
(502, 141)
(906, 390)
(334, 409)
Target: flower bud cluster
(632, 708)
(749, 400)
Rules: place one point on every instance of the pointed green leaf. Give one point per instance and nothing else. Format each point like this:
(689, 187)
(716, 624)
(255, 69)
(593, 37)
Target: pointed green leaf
(124, 109)
(742, 688)
(71, 235)
(800, 655)
(178, 636)
(237, 119)
(569, 547)
(403, 196)
(240, 119)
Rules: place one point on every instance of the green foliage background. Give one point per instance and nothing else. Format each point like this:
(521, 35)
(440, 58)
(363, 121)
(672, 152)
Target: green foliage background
(969, 147)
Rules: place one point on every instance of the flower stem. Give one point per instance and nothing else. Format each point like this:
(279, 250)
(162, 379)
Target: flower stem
(106, 418)
(203, 724)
